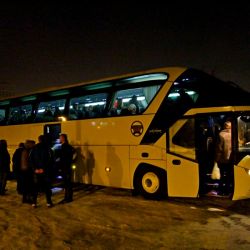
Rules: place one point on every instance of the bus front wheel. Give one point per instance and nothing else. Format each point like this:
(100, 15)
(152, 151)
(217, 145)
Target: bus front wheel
(151, 183)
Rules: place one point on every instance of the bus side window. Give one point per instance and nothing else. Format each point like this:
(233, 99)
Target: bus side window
(20, 114)
(75, 112)
(87, 106)
(2, 116)
(50, 110)
(132, 101)
(244, 133)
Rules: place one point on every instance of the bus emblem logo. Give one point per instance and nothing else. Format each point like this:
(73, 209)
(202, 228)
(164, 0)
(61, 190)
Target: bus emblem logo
(136, 128)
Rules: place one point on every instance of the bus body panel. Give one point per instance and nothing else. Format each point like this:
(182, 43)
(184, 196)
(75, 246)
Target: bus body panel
(242, 179)
(182, 177)
(104, 131)
(105, 143)
(145, 152)
(104, 165)
(161, 142)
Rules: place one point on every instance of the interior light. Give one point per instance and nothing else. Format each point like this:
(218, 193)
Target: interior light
(190, 92)
(94, 104)
(62, 118)
(126, 99)
(140, 98)
(41, 110)
(174, 94)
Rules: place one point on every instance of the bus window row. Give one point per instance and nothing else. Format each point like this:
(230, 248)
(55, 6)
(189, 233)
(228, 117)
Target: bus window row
(123, 102)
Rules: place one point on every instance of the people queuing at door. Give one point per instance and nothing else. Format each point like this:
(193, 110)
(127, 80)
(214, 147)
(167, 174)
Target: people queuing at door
(33, 168)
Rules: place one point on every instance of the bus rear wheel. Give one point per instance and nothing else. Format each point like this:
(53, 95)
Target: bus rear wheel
(151, 183)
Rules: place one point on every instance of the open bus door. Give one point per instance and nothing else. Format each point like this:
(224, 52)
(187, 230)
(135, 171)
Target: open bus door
(52, 132)
(182, 169)
(242, 164)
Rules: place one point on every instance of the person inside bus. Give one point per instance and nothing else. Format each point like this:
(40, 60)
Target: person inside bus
(247, 138)
(75, 112)
(57, 112)
(117, 107)
(135, 102)
(48, 112)
(132, 109)
(223, 158)
(90, 111)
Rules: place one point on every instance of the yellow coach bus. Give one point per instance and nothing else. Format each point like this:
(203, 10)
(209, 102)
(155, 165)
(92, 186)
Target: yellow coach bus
(152, 132)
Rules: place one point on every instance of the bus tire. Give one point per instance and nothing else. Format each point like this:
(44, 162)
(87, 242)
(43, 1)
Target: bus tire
(151, 183)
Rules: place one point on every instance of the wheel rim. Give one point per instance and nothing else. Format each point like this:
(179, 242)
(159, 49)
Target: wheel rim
(150, 182)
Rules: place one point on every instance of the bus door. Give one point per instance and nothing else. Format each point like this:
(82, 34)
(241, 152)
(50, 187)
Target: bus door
(52, 132)
(242, 164)
(182, 168)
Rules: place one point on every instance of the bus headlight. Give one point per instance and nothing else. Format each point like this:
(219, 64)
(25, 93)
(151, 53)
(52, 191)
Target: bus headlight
(107, 169)
(73, 167)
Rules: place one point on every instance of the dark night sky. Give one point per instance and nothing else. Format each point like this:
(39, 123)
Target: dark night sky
(45, 46)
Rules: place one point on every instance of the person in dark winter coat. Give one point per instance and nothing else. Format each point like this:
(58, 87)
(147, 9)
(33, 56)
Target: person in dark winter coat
(16, 163)
(42, 160)
(4, 165)
(65, 161)
(26, 172)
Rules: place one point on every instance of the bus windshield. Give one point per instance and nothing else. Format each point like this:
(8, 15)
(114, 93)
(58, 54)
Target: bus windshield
(208, 91)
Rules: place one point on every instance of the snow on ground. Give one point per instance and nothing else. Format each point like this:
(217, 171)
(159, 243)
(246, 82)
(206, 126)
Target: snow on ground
(104, 218)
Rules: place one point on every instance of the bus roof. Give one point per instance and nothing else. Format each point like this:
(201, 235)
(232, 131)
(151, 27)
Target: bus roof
(169, 70)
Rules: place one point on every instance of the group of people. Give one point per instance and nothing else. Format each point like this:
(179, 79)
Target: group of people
(33, 166)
